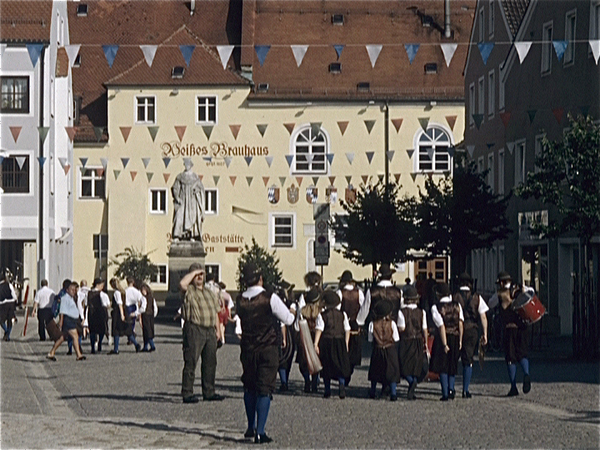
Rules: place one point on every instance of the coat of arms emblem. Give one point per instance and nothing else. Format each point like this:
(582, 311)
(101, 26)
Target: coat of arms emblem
(273, 194)
(292, 194)
(331, 194)
(350, 194)
(312, 194)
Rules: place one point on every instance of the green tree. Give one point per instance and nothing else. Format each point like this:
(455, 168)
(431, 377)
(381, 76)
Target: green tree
(378, 227)
(268, 263)
(459, 214)
(134, 264)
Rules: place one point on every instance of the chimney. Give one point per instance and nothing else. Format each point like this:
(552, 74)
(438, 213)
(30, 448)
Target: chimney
(192, 7)
(447, 31)
(248, 26)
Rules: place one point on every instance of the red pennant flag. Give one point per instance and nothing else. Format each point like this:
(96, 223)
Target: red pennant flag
(232, 180)
(331, 180)
(15, 131)
(299, 180)
(397, 124)
(558, 114)
(100, 171)
(200, 176)
(343, 126)
(451, 121)
(133, 175)
(166, 176)
(289, 127)
(66, 168)
(125, 132)
(505, 116)
(71, 132)
(235, 129)
(365, 178)
(397, 177)
(265, 180)
(180, 130)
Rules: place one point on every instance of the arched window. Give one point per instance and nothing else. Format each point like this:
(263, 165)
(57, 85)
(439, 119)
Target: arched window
(432, 153)
(310, 145)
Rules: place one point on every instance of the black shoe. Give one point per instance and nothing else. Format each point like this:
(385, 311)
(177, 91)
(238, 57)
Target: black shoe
(250, 432)
(526, 384)
(327, 394)
(138, 348)
(93, 352)
(144, 350)
(342, 391)
(451, 394)
(444, 399)
(283, 388)
(191, 399)
(372, 395)
(113, 352)
(153, 349)
(513, 392)
(314, 387)
(411, 391)
(262, 439)
(70, 352)
(393, 398)
(214, 398)
(307, 387)
(466, 394)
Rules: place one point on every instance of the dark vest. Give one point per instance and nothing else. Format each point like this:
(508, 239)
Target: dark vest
(258, 322)
(470, 306)
(392, 293)
(413, 319)
(5, 293)
(334, 324)
(450, 312)
(383, 333)
(351, 306)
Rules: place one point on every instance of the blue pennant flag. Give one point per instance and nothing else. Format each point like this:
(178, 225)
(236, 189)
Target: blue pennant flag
(289, 159)
(41, 160)
(110, 51)
(411, 51)
(261, 52)
(34, 50)
(166, 161)
(485, 48)
(559, 48)
(186, 52)
(338, 49)
(330, 158)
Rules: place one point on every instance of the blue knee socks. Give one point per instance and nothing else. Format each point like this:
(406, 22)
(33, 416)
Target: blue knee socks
(525, 365)
(263, 402)
(327, 383)
(444, 383)
(451, 380)
(116, 343)
(283, 376)
(410, 379)
(250, 405)
(467, 373)
(512, 374)
(393, 389)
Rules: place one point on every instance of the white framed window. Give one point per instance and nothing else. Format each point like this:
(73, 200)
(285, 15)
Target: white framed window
(206, 109)
(432, 150)
(15, 95)
(501, 256)
(501, 90)
(100, 246)
(145, 109)
(92, 182)
(282, 230)
(490, 175)
(519, 162)
(309, 145)
(211, 201)
(547, 48)
(491, 93)
(481, 26)
(471, 104)
(16, 176)
(158, 201)
(570, 36)
(491, 18)
(501, 174)
(594, 22)
(213, 269)
(481, 96)
(538, 148)
(162, 275)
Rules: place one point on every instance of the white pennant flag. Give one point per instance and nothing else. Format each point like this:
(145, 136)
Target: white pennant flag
(374, 51)
(430, 152)
(299, 52)
(448, 51)
(72, 51)
(269, 160)
(350, 157)
(522, 49)
(62, 162)
(224, 53)
(21, 161)
(149, 53)
(595, 45)
(309, 157)
(470, 149)
(510, 146)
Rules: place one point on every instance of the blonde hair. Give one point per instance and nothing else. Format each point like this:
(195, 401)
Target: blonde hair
(116, 285)
(312, 310)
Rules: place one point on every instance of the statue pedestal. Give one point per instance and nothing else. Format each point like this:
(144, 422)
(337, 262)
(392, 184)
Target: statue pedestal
(181, 256)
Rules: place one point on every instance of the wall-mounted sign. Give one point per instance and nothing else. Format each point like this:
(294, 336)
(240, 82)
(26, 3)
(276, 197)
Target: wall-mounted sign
(176, 149)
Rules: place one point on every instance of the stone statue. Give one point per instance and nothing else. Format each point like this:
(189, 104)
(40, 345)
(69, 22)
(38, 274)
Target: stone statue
(188, 202)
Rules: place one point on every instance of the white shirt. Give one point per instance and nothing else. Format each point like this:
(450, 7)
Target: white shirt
(133, 297)
(402, 320)
(118, 298)
(280, 311)
(495, 301)
(437, 317)
(395, 334)
(44, 297)
(320, 323)
(482, 308)
(366, 306)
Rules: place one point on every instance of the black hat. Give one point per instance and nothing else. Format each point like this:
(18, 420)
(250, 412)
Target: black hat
(251, 273)
(312, 296)
(385, 271)
(464, 279)
(503, 276)
(382, 308)
(442, 289)
(346, 277)
(331, 299)
(411, 293)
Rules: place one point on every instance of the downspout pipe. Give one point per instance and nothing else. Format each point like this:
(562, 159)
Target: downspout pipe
(386, 131)
(41, 271)
(447, 31)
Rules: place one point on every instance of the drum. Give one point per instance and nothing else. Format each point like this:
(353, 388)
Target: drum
(529, 307)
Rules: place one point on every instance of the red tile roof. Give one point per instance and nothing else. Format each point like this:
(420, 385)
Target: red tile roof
(515, 11)
(25, 21)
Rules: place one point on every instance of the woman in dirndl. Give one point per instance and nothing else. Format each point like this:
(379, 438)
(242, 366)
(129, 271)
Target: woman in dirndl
(310, 311)
(148, 318)
(120, 320)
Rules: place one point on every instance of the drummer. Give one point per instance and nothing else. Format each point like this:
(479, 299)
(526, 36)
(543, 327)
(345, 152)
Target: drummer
(515, 333)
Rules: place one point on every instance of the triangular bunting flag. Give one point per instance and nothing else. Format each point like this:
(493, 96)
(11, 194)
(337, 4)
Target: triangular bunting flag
(451, 151)
(125, 132)
(329, 157)
(207, 130)
(249, 180)
(522, 49)
(235, 129)
(397, 124)
(299, 52)
(370, 156)
(98, 132)
(41, 160)
(470, 149)
(289, 159)
(83, 162)
(15, 131)
(166, 176)
(558, 114)
(133, 174)
(265, 180)
(299, 180)
(342, 126)
(490, 145)
(411, 51)
(485, 48)
(228, 160)
(531, 113)
(350, 156)
(166, 161)
(424, 122)
(153, 132)
(380, 178)
(180, 130)
(72, 51)
(21, 160)
(116, 173)
(331, 180)
(201, 177)
(448, 51)
(365, 178)
(397, 177)
(62, 161)
(315, 129)
(43, 132)
(413, 176)
(104, 162)
(186, 52)
(451, 121)
(110, 52)
(207, 158)
(262, 128)
(216, 179)
(34, 50)
(348, 179)
(430, 152)
(559, 48)
(124, 161)
(478, 118)
(224, 53)
(99, 172)
(289, 127)
(595, 47)
(232, 179)
(149, 175)
(390, 155)
(505, 116)
(71, 132)
(338, 49)
(66, 168)
(1, 159)
(369, 124)
(410, 153)
(248, 160)
(261, 52)
(149, 52)
(315, 180)
(510, 146)
(145, 161)
(269, 160)
(282, 181)
(374, 51)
